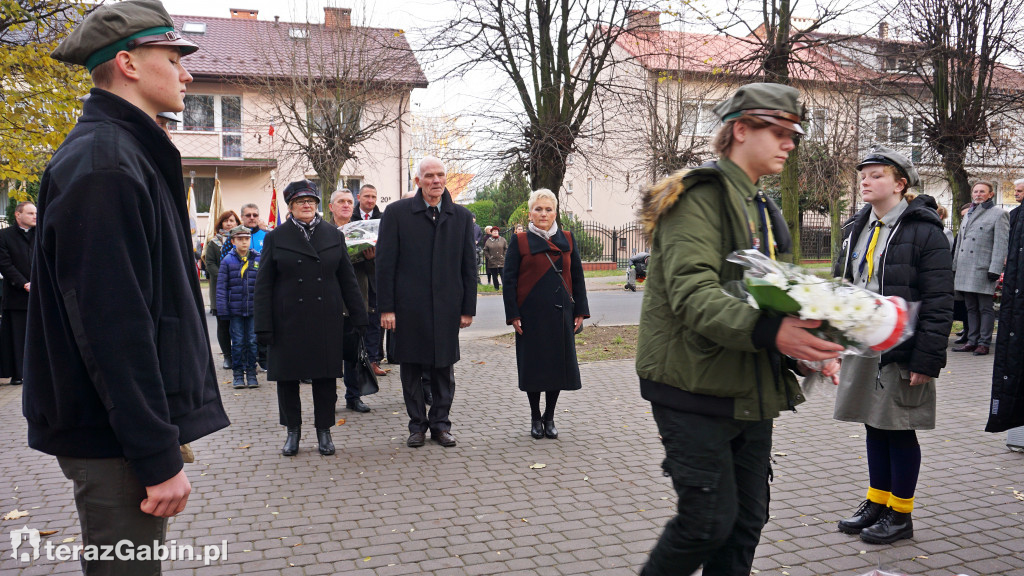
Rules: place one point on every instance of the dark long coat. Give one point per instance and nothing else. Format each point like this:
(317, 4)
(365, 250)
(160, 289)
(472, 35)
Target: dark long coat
(534, 293)
(301, 291)
(426, 275)
(15, 265)
(1007, 407)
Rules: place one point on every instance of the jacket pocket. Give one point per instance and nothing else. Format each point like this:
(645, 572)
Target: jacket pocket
(699, 495)
(711, 369)
(168, 345)
(905, 395)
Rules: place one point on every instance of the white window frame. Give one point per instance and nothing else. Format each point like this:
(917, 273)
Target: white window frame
(218, 123)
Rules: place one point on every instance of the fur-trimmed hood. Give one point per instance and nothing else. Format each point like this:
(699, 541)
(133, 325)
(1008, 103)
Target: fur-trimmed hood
(658, 199)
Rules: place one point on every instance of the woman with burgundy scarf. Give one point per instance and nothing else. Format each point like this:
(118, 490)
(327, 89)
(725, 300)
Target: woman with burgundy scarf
(546, 302)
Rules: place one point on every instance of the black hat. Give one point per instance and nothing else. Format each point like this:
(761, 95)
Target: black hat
(775, 103)
(301, 188)
(890, 157)
(120, 26)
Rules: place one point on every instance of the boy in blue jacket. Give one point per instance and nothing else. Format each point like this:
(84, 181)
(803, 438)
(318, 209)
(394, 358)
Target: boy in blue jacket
(235, 289)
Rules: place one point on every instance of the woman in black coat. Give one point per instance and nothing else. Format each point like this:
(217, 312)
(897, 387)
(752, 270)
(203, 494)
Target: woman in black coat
(305, 277)
(545, 301)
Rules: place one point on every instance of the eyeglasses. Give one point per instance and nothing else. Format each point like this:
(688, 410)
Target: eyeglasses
(250, 215)
(305, 201)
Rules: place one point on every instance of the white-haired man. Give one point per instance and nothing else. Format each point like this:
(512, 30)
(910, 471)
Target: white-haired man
(426, 292)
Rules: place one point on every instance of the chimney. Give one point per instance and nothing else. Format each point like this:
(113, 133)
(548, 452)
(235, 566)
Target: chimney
(244, 13)
(337, 17)
(277, 19)
(883, 30)
(644, 20)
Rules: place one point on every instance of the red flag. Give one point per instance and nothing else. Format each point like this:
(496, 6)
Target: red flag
(271, 131)
(272, 219)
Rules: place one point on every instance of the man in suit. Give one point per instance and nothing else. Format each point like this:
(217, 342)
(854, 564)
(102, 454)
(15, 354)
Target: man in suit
(978, 261)
(426, 292)
(15, 265)
(373, 340)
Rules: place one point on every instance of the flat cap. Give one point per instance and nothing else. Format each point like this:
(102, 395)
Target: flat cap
(775, 103)
(240, 231)
(890, 157)
(120, 26)
(301, 188)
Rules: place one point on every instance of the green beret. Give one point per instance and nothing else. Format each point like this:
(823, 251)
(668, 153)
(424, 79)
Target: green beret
(890, 157)
(122, 26)
(775, 103)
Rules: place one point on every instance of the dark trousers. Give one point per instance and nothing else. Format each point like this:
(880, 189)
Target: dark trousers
(495, 274)
(372, 339)
(107, 495)
(325, 399)
(243, 343)
(12, 343)
(981, 318)
(351, 384)
(719, 468)
(224, 335)
(442, 388)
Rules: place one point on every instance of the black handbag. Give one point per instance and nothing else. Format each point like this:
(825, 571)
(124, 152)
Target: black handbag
(365, 378)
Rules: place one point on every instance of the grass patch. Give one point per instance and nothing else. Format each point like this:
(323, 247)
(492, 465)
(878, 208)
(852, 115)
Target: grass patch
(602, 273)
(597, 343)
(486, 289)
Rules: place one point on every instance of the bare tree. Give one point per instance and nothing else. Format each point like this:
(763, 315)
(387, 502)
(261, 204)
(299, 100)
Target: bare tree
(951, 75)
(553, 53)
(330, 88)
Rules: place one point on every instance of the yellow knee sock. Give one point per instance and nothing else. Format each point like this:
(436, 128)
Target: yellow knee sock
(903, 505)
(879, 496)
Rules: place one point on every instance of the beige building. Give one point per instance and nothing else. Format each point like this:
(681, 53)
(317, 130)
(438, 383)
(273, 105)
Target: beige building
(245, 74)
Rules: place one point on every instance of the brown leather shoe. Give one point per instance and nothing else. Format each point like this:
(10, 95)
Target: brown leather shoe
(377, 369)
(416, 439)
(981, 350)
(966, 348)
(444, 438)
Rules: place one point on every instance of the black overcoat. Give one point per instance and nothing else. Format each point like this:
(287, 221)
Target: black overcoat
(546, 351)
(1007, 408)
(302, 290)
(15, 265)
(426, 275)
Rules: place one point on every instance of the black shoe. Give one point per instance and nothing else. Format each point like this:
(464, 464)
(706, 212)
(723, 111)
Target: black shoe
(965, 348)
(444, 438)
(416, 439)
(15, 381)
(250, 379)
(865, 516)
(326, 445)
(537, 430)
(961, 334)
(226, 365)
(549, 429)
(961, 340)
(239, 380)
(892, 526)
(357, 405)
(291, 444)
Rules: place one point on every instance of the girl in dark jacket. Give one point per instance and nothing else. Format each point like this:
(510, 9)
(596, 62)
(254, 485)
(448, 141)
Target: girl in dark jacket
(895, 246)
(236, 287)
(545, 301)
(213, 253)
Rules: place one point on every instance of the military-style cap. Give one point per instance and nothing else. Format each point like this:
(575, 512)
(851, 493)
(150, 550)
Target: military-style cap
(301, 188)
(120, 26)
(240, 231)
(889, 157)
(775, 103)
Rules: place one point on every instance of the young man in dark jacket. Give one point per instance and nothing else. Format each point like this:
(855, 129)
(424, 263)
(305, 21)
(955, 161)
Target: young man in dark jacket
(118, 370)
(235, 293)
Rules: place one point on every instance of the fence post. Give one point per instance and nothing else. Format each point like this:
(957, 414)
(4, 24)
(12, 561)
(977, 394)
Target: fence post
(615, 246)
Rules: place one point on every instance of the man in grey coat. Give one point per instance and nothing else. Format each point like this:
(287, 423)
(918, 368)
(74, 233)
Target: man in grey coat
(426, 292)
(978, 261)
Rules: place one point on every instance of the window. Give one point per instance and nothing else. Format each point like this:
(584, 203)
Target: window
(203, 189)
(590, 194)
(817, 122)
(898, 130)
(298, 33)
(568, 187)
(353, 184)
(194, 28)
(216, 113)
(698, 119)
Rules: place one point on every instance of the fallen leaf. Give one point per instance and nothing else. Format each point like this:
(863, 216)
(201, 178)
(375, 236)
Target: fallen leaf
(538, 466)
(367, 559)
(15, 514)
(66, 540)
(48, 532)
(245, 447)
(341, 421)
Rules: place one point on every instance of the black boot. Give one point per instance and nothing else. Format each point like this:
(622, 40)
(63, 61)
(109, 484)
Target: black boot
(549, 429)
(537, 431)
(865, 516)
(239, 379)
(291, 444)
(323, 438)
(892, 526)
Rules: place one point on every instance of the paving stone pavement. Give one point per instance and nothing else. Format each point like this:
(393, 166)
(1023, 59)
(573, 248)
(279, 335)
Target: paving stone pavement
(597, 507)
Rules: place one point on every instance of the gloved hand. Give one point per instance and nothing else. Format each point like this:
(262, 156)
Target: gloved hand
(265, 338)
(992, 276)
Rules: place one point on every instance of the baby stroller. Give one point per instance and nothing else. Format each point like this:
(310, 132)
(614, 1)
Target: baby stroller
(637, 270)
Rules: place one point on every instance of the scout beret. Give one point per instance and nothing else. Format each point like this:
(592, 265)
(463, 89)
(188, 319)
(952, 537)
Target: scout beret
(240, 231)
(120, 26)
(301, 188)
(775, 103)
(889, 157)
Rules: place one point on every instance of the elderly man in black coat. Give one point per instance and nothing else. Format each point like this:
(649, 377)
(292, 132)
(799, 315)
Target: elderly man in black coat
(1007, 406)
(15, 265)
(426, 292)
